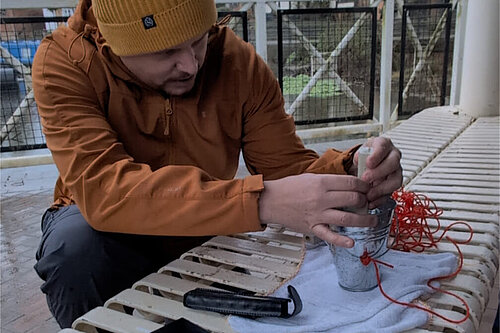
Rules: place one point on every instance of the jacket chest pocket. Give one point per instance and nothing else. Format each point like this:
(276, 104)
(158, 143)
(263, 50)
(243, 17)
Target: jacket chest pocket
(221, 119)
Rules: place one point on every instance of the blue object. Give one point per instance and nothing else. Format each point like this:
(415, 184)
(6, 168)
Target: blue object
(23, 50)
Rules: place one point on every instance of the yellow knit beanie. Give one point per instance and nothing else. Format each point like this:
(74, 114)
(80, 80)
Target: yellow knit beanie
(133, 27)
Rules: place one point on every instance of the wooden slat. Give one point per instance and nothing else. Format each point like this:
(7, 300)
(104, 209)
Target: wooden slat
(169, 309)
(480, 269)
(456, 189)
(430, 129)
(467, 156)
(477, 227)
(473, 165)
(460, 199)
(444, 301)
(113, 321)
(221, 275)
(468, 159)
(421, 143)
(478, 145)
(467, 327)
(466, 171)
(409, 167)
(442, 175)
(456, 214)
(488, 152)
(487, 240)
(275, 237)
(251, 262)
(416, 154)
(471, 285)
(473, 207)
(409, 174)
(432, 151)
(168, 284)
(410, 135)
(246, 246)
(469, 251)
(455, 182)
(415, 162)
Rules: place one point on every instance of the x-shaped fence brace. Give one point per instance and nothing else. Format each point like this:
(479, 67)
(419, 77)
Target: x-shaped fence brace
(422, 55)
(431, 79)
(28, 100)
(326, 65)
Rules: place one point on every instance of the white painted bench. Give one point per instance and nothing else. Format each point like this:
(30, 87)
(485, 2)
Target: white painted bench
(464, 181)
(461, 178)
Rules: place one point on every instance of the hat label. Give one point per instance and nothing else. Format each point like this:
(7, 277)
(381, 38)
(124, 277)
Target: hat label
(148, 22)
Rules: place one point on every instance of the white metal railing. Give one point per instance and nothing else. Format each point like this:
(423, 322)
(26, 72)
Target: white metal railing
(260, 7)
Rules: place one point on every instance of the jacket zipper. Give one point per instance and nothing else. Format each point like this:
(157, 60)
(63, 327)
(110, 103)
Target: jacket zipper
(168, 117)
(169, 113)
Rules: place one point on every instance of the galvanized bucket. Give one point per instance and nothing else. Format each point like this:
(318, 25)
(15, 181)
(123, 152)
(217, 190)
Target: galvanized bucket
(352, 274)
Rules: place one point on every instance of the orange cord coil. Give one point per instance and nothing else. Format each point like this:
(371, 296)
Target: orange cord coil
(412, 233)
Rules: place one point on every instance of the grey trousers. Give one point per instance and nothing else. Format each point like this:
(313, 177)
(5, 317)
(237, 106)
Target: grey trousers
(82, 267)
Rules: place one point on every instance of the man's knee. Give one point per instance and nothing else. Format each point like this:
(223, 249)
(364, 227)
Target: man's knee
(66, 244)
(66, 261)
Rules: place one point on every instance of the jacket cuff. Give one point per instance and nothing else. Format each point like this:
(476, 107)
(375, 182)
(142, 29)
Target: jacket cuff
(334, 162)
(348, 159)
(252, 187)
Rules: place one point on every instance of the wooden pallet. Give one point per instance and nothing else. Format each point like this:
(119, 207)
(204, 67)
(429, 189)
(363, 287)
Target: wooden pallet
(262, 261)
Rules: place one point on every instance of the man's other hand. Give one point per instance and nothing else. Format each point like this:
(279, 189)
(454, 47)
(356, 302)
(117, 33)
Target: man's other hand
(383, 170)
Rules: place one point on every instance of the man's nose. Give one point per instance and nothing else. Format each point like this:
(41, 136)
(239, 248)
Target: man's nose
(187, 62)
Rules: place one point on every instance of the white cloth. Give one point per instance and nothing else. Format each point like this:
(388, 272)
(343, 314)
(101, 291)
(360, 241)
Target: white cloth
(329, 308)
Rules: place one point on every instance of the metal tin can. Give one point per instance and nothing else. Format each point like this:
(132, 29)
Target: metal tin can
(352, 274)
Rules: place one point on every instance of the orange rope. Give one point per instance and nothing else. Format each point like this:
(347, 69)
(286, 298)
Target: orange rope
(412, 233)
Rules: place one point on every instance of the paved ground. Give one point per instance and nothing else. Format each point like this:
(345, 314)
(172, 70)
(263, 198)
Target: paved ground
(25, 193)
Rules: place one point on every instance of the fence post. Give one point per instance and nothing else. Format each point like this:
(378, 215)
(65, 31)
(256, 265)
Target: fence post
(458, 52)
(386, 65)
(261, 29)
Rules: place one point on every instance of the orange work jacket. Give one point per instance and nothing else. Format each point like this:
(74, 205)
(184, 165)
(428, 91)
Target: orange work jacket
(137, 161)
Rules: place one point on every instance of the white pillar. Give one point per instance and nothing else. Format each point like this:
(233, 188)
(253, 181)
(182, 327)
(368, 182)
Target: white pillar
(386, 65)
(261, 29)
(458, 51)
(479, 88)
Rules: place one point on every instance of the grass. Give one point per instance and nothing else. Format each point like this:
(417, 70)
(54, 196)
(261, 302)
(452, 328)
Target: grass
(293, 85)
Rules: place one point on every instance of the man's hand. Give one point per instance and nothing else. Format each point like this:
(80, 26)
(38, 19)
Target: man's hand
(383, 170)
(309, 203)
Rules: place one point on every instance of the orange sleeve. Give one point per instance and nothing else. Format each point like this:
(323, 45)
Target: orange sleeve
(271, 146)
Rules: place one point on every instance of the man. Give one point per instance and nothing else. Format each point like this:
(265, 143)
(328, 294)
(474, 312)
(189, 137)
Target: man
(146, 106)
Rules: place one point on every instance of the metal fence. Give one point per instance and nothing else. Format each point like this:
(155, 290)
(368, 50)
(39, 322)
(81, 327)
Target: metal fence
(19, 39)
(425, 55)
(238, 22)
(329, 68)
(19, 121)
(326, 63)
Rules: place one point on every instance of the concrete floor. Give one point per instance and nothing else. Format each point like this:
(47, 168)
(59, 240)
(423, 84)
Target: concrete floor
(25, 193)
